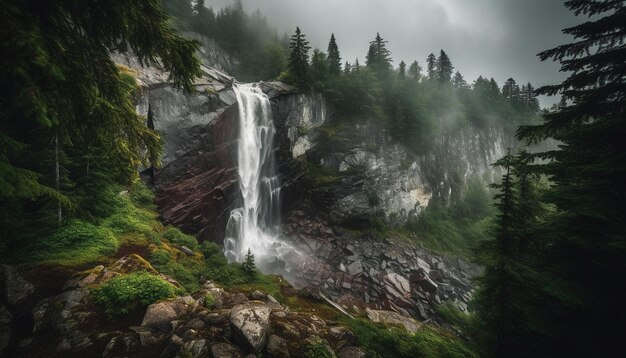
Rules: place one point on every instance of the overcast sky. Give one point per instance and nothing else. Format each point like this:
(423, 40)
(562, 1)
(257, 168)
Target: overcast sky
(493, 38)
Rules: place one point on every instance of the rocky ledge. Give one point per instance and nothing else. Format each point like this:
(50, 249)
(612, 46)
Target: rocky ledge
(230, 324)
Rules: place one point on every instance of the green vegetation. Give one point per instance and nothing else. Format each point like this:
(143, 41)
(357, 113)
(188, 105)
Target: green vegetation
(70, 136)
(175, 236)
(466, 322)
(262, 54)
(458, 227)
(318, 349)
(380, 341)
(127, 293)
(76, 243)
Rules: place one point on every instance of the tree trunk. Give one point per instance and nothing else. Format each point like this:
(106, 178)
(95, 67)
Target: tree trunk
(57, 177)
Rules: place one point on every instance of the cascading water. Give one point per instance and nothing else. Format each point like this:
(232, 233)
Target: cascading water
(254, 226)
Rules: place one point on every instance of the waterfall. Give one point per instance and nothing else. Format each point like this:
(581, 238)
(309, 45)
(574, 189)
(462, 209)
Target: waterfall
(254, 226)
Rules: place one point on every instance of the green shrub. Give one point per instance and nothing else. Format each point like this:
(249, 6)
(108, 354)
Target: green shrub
(142, 196)
(451, 314)
(124, 294)
(160, 258)
(213, 254)
(318, 349)
(209, 301)
(129, 219)
(380, 341)
(177, 237)
(76, 243)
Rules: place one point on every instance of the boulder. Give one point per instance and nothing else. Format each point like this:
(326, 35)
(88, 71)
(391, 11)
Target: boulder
(277, 347)
(160, 314)
(15, 288)
(350, 352)
(225, 350)
(391, 317)
(251, 325)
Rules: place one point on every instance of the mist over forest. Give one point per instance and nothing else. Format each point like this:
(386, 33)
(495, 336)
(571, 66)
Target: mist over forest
(279, 178)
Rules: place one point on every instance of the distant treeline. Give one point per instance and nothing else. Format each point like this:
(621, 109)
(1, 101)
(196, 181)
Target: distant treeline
(261, 52)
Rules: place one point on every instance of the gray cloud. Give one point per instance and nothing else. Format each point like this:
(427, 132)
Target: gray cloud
(495, 38)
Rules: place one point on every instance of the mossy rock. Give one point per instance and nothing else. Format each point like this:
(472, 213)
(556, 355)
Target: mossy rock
(132, 263)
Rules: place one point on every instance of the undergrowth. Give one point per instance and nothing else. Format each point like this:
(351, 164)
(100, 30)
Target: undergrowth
(380, 341)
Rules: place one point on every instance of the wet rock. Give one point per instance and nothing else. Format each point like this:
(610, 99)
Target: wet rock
(251, 325)
(14, 287)
(187, 251)
(355, 268)
(196, 349)
(391, 317)
(172, 349)
(225, 350)
(160, 314)
(258, 295)
(277, 347)
(350, 352)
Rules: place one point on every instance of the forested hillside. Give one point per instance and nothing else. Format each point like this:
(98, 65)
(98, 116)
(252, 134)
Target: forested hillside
(182, 179)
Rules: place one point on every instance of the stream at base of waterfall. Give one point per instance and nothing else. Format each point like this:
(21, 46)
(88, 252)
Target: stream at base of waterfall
(256, 225)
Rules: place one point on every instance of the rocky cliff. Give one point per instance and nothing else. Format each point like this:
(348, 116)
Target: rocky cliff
(335, 178)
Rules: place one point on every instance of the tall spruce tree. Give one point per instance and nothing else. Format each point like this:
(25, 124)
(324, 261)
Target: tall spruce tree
(402, 70)
(431, 66)
(444, 68)
(505, 300)
(334, 58)
(299, 58)
(458, 81)
(63, 91)
(586, 238)
(378, 56)
(415, 71)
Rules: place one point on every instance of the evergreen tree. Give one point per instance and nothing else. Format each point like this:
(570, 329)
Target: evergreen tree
(402, 70)
(458, 81)
(585, 246)
(347, 68)
(505, 299)
(529, 98)
(378, 56)
(431, 66)
(299, 58)
(203, 20)
(74, 94)
(444, 68)
(319, 69)
(511, 90)
(334, 59)
(415, 71)
(248, 266)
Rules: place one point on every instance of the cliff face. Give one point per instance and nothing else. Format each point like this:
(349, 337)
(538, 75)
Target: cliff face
(333, 176)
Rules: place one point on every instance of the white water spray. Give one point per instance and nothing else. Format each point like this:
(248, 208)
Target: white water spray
(255, 225)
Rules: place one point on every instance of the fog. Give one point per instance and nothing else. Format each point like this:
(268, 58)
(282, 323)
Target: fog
(494, 38)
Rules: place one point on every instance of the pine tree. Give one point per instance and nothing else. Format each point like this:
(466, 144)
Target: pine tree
(347, 68)
(431, 66)
(505, 301)
(402, 70)
(586, 238)
(248, 266)
(415, 71)
(529, 98)
(75, 94)
(299, 58)
(444, 68)
(511, 90)
(319, 71)
(203, 20)
(458, 81)
(334, 59)
(378, 56)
